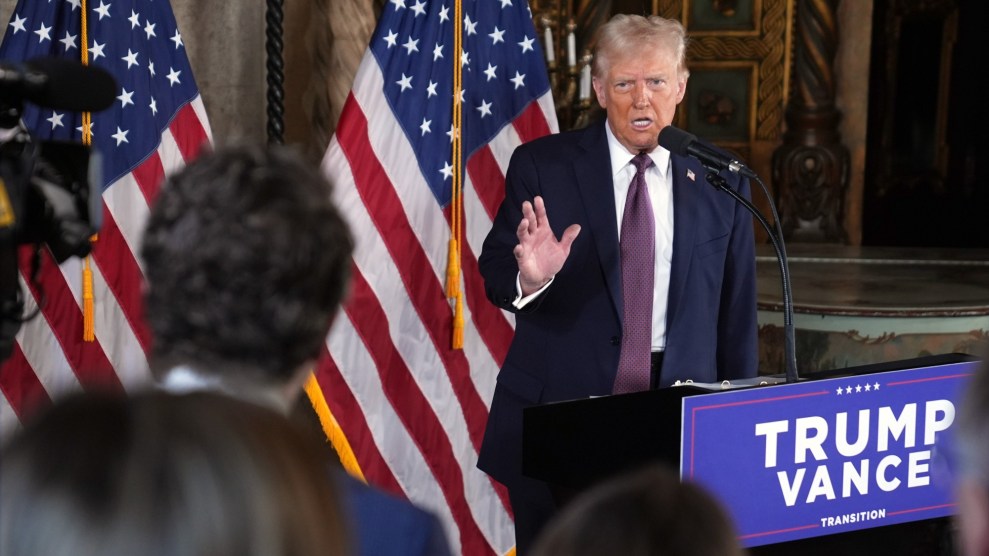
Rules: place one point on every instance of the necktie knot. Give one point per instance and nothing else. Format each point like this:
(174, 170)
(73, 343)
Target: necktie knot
(641, 162)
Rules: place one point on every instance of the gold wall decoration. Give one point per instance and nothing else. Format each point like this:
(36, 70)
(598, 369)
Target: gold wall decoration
(727, 36)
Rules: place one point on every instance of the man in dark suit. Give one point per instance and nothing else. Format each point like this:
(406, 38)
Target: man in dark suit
(247, 260)
(585, 325)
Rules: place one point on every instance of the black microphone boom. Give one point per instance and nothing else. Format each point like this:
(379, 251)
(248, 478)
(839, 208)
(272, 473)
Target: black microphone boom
(678, 141)
(58, 83)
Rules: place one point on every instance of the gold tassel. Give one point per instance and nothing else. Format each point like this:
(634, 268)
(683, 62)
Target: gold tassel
(332, 429)
(453, 269)
(88, 324)
(458, 324)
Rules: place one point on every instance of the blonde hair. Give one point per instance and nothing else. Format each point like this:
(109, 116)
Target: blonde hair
(625, 33)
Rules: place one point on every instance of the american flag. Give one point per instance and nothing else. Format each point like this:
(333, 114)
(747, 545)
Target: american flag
(412, 408)
(155, 125)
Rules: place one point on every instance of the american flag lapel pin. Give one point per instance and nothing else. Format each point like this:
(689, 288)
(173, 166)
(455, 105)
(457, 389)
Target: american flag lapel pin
(690, 175)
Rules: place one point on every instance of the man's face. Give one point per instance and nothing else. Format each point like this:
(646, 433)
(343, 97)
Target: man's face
(640, 93)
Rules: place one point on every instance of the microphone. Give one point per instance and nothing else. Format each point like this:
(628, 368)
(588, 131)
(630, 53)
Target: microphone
(58, 83)
(680, 142)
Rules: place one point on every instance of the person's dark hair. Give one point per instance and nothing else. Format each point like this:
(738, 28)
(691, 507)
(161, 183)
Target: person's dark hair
(247, 260)
(163, 475)
(647, 513)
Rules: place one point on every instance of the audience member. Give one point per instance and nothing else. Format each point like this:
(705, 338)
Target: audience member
(163, 475)
(247, 261)
(647, 513)
(973, 447)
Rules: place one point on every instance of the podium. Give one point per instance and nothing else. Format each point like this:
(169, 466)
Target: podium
(574, 445)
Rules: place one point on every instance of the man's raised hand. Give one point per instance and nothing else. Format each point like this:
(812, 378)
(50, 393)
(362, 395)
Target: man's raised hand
(539, 254)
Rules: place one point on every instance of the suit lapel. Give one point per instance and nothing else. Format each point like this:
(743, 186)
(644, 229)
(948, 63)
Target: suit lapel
(686, 219)
(596, 186)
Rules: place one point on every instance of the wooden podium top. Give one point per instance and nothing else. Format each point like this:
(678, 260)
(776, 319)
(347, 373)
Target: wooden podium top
(877, 281)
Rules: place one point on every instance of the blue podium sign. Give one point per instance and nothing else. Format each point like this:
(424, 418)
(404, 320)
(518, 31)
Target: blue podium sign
(826, 456)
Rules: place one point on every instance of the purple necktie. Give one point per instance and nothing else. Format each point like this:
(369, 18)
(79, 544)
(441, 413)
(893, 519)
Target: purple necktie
(638, 249)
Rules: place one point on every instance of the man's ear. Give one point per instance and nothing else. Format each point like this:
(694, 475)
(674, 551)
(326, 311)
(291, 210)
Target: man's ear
(681, 88)
(599, 92)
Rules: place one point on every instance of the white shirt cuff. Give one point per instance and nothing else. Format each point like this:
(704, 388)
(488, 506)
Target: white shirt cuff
(520, 301)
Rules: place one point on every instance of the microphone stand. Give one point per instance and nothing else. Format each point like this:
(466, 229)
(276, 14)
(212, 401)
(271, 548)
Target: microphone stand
(776, 238)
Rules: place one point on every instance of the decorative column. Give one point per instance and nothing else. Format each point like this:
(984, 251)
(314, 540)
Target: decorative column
(810, 168)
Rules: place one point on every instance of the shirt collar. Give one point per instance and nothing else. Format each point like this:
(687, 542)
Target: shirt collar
(620, 157)
(186, 380)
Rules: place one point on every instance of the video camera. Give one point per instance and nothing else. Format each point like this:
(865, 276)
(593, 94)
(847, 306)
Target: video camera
(49, 191)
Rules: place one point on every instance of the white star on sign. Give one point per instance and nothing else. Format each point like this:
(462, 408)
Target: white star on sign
(447, 171)
(177, 39)
(490, 72)
(425, 126)
(410, 45)
(518, 80)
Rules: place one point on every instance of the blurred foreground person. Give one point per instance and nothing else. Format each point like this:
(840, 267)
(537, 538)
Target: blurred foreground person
(247, 260)
(647, 513)
(973, 446)
(163, 475)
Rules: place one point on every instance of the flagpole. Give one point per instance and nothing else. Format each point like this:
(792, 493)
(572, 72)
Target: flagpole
(274, 45)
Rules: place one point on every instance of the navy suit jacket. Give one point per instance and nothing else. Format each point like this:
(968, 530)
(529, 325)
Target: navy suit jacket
(384, 525)
(567, 341)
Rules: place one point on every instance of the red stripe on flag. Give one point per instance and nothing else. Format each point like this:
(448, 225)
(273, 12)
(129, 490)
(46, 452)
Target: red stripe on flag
(88, 361)
(349, 415)
(491, 325)
(421, 284)
(123, 276)
(21, 386)
(188, 132)
(149, 176)
(487, 179)
(531, 123)
(413, 409)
